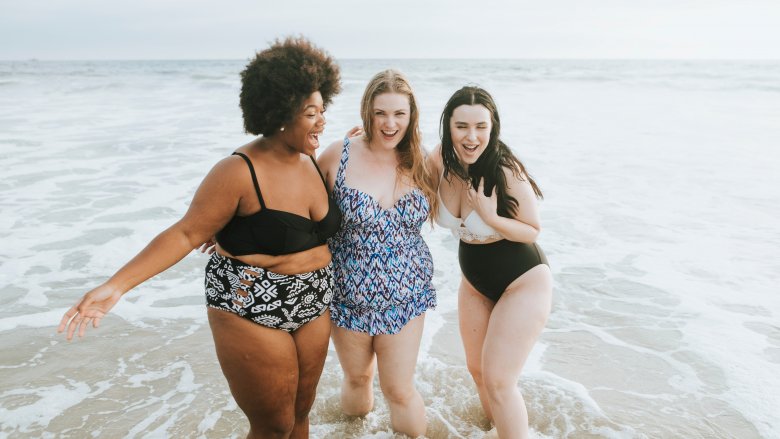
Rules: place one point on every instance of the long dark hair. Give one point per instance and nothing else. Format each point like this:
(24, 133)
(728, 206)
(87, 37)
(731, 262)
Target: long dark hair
(496, 156)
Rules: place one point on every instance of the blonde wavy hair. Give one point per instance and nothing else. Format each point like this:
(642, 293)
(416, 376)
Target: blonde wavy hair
(410, 153)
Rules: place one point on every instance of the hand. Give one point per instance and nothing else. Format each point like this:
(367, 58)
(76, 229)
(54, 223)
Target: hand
(485, 206)
(355, 131)
(210, 246)
(90, 308)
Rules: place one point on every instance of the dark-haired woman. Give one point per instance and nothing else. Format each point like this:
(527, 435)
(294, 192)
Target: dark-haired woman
(269, 284)
(488, 200)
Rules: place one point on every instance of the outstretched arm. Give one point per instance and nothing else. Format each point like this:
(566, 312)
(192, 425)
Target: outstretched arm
(212, 207)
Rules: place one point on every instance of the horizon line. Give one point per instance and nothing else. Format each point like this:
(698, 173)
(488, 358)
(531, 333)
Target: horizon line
(36, 59)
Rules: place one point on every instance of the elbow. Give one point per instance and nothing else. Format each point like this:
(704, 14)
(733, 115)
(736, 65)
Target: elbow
(538, 232)
(189, 237)
(532, 234)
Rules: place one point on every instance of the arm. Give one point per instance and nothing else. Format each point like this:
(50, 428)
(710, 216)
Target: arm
(525, 226)
(214, 204)
(328, 162)
(434, 162)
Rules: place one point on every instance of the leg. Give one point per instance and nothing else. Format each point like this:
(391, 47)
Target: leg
(473, 317)
(311, 343)
(397, 358)
(517, 320)
(356, 355)
(257, 362)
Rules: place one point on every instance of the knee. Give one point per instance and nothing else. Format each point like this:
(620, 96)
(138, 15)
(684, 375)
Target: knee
(303, 405)
(498, 386)
(476, 373)
(279, 424)
(358, 381)
(399, 394)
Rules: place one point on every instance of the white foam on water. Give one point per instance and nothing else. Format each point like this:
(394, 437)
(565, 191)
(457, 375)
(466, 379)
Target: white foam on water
(49, 402)
(172, 405)
(659, 223)
(36, 320)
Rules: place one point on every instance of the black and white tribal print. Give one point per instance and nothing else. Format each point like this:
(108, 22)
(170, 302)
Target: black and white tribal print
(270, 299)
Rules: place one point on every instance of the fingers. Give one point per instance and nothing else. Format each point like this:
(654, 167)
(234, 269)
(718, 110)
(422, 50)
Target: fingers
(68, 316)
(83, 325)
(356, 130)
(208, 248)
(74, 323)
(77, 317)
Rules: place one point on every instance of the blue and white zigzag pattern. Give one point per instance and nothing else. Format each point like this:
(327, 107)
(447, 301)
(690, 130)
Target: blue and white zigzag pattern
(382, 267)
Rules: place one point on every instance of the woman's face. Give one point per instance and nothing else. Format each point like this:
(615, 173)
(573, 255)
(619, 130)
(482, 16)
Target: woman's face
(470, 128)
(390, 119)
(302, 134)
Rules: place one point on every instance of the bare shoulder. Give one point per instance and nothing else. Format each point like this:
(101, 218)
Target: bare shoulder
(331, 155)
(231, 165)
(434, 159)
(517, 184)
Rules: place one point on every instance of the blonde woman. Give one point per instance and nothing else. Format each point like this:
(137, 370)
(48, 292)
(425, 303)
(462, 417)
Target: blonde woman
(382, 268)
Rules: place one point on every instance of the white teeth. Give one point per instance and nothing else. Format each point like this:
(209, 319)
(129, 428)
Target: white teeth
(390, 133)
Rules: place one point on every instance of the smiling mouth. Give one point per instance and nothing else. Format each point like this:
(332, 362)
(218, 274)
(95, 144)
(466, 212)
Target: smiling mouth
(388, 133)
(470, 148)
(315, 138)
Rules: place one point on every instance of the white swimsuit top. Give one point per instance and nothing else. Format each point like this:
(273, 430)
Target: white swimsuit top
(470, 229)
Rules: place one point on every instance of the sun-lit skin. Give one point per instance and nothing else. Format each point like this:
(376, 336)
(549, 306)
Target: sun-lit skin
(390, 115)
(470, 127)
(302, 134)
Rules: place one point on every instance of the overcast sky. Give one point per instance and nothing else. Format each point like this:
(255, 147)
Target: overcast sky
(234, 29)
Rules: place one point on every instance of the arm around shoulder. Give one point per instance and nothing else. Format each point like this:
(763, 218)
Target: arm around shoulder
(435, 165)
(329, 160)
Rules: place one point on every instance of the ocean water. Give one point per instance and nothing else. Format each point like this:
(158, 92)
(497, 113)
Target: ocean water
(660, 221)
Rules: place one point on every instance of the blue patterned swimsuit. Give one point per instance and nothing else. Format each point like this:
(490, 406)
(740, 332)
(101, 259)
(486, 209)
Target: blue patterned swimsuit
(382, 268)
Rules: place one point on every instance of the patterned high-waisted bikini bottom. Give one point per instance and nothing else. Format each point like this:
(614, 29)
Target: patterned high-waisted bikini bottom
(278, 301)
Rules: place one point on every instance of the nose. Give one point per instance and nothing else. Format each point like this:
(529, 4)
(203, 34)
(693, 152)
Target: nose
(321, 120)
(391, 122)
(471, 135)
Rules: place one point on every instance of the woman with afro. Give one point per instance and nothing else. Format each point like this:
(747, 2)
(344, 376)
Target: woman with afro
(269, 282)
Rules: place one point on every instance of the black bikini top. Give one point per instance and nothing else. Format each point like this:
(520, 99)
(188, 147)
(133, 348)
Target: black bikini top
(276, 232)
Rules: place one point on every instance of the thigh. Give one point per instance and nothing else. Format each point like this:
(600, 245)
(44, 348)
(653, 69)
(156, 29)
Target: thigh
(397, 353)
(516, 321)
(257, 361)
(355, 351)
(473, 317)
(311, 344)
